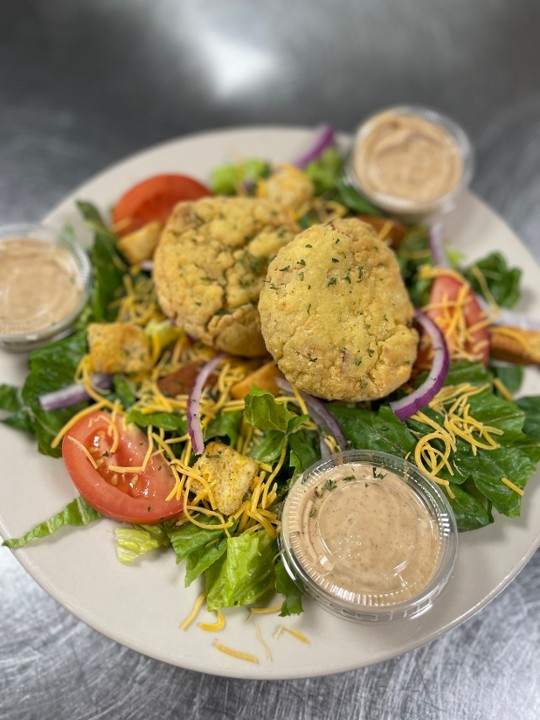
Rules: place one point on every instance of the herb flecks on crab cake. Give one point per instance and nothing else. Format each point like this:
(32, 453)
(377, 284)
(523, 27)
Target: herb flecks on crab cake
(210, 266)
(336, 315)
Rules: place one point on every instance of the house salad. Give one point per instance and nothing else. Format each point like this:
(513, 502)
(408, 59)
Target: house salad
(149, 414)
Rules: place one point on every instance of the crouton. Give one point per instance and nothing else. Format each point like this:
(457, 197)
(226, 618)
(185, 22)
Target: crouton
(140, 245)
(288, 187)
(228, 474)
(118, 347)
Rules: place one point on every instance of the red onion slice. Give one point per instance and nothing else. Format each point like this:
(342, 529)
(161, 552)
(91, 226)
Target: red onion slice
(72, 394)
(194, 404)
(320, 414)
(512, 318)
(419, 398)
(324, 139)
(436, 247)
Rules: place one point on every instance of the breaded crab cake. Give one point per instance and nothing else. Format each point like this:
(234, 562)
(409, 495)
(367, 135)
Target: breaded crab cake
(336, 316)
(210, 265)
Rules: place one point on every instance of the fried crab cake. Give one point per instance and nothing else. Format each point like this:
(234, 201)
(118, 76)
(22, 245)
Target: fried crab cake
(336, 316)
(210, 265)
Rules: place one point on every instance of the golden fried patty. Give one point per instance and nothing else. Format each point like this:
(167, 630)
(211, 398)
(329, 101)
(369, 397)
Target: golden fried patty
(336, 316)
(210, 265)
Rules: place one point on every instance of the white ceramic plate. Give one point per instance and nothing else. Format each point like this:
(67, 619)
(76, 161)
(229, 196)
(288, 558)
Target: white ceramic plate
(143, 606)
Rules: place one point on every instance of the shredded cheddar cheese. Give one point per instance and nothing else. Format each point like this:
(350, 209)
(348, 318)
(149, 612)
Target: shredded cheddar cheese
(433, 450)
(236, 653)
(512, 486)
(194, 612)
(295, 633)
(218, 625)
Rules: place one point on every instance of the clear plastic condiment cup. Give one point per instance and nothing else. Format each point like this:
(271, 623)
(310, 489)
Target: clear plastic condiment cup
(368, 536)
(410, 159)
(45, 280)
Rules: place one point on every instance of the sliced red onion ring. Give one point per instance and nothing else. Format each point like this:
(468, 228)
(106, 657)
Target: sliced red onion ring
(72, 394)
(325, 138)
(194, 404)
(436, 247)
(513, 318)
(319, 413)
(419, 398)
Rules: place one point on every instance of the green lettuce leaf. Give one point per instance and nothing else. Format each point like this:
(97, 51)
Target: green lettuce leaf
(471, 512)
(263, 412)
(10, 398)
(51, 368)
(199, 547)
(326, 171)
(108, 266)
(245, 574)
(369, 430)
(292, 603)
(171, 422)
(503, 282)
(511, 376)
(531, 407)
(231, 179)
(78, 513)
(133, 542)
(225, 425)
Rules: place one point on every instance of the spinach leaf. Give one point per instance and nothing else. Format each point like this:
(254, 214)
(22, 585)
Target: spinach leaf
(369, 430)
(531, 407)
(225, 425)
(503, 282)
(471, 513)
(51, 368)
(511, 376)
(10, 398)
(168, 421)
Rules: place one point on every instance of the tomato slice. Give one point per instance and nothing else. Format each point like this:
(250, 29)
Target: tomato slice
(154, 199)
(456, 310)
(127, 497)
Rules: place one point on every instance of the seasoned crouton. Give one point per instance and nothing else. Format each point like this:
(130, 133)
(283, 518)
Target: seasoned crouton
(287, 187)
(228, 474)
(118, 347)
(140, 244)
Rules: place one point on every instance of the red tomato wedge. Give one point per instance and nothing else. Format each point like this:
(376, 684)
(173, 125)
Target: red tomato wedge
(154, 199)
(127, 497)
(455, 309)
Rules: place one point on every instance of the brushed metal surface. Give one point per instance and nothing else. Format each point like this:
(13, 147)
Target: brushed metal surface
(83, 84)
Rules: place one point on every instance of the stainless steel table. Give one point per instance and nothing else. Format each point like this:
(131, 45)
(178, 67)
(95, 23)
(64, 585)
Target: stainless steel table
(83, 84)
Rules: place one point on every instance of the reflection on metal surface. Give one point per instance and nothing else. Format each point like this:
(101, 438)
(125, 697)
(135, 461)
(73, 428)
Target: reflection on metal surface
(234, 67)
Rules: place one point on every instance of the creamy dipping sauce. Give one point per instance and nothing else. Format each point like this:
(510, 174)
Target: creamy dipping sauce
(361, 530)
(39, 285)
(368, 536)
(408, 161)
